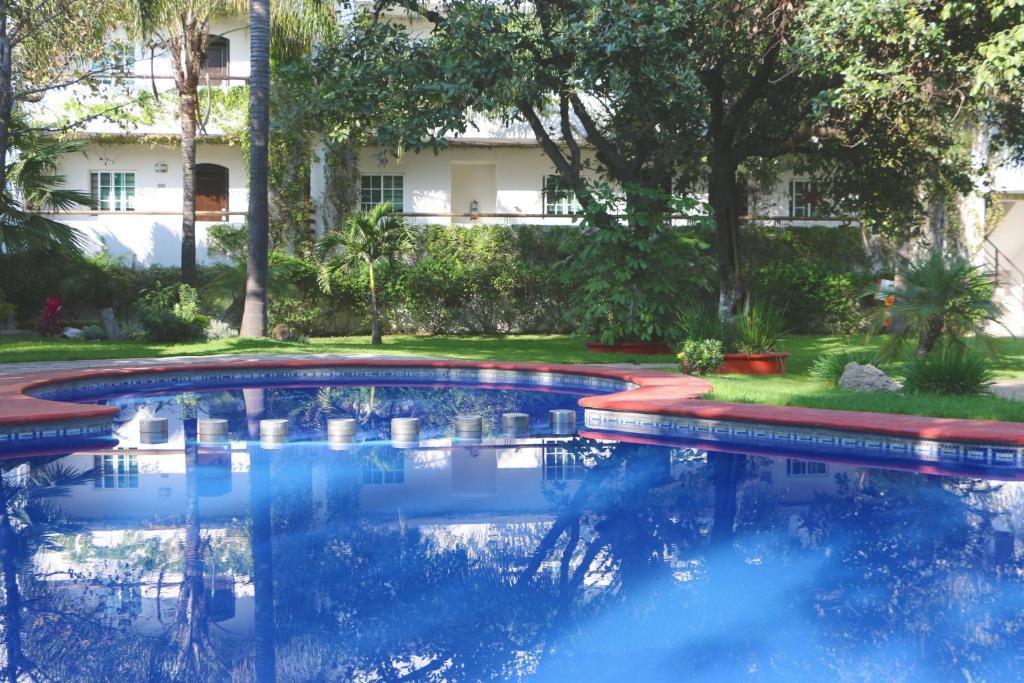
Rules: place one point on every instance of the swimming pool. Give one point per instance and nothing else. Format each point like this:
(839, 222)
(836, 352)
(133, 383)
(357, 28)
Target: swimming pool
(546, 555)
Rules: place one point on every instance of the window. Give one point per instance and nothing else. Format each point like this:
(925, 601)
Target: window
(113, 190)
(561, 465)
(805, 199)
(806, 468)
(377, 189)
(216, 66)
(116, 61)
(116, 471)
(559, 198)
(384, 467)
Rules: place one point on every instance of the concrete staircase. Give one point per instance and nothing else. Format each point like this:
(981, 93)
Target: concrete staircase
(1010, 289)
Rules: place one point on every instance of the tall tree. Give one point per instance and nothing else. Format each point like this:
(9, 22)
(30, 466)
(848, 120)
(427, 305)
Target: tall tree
(254, 314)
(182, 28)
(675, 97)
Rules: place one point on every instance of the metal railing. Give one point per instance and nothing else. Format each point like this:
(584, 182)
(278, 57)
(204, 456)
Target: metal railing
(1009, 276)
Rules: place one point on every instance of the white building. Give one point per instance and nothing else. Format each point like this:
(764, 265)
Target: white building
(498, 172)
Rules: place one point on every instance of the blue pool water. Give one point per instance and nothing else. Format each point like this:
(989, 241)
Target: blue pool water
(534, 558)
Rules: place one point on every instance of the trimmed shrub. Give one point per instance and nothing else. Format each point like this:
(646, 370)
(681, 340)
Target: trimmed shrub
(701, 356)
(172, 315)
(93, 333)
(949, 370)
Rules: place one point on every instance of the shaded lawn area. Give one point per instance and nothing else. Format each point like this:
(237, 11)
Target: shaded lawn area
(795, 388)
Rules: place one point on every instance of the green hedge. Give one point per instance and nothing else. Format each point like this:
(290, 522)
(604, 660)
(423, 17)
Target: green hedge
(817, 274)
(479, 279)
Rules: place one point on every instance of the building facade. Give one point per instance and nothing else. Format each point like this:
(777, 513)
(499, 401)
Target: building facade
(491, 174)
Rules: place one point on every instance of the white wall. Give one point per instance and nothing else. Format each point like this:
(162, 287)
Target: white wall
(147, 73)
(152, 233)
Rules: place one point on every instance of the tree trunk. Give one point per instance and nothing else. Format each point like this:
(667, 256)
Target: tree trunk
(375, 337)
(189, 105)
(6, 93)
(261, 542)
(929, 336)
(12, 592)
(937, 223)
(725, 199)
(254, 314)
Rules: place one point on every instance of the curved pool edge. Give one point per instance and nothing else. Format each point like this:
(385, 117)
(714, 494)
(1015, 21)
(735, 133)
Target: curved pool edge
(657, 402)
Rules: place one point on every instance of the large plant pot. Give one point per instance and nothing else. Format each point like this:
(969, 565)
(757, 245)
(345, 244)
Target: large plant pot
(632, 348)
(754, 363)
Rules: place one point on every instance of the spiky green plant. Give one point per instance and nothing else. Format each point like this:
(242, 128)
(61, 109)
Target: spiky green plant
(940, 299)
(369, 237)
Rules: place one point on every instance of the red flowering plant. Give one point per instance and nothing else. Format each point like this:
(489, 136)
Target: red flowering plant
(51, 318)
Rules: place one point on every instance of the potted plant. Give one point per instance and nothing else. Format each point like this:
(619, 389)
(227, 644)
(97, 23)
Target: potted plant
(749, 343)
(756, 333)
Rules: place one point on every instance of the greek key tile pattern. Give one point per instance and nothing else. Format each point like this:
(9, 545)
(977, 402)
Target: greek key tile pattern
(808, 440)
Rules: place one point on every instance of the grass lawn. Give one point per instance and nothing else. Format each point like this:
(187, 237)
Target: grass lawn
(795, 388)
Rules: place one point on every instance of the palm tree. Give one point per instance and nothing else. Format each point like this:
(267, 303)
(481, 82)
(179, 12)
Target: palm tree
(288, 35)
(369, 237)
(182, 28)
(943, 298)
(33, 188)
(254, 313)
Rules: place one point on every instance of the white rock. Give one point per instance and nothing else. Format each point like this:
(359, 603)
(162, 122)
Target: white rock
(858, 377)
(71, 333)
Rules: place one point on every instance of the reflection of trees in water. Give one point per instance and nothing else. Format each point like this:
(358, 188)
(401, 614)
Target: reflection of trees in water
(708, 569)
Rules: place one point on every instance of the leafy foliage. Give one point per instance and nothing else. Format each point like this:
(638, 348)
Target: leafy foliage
(952, 369)
(759, 327)
(171, 314)
(701, 356)
(942, 299)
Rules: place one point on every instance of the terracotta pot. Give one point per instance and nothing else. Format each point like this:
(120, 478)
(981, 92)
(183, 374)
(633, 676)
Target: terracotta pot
(754, 363)
(635, 348)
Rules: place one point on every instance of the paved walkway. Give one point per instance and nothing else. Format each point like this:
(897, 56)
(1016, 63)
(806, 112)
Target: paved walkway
(1009, 388)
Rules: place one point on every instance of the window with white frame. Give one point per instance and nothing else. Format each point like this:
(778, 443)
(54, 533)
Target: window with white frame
(116, 471)
(805, 199)
(113, 190)
(561, 465)
(377, 189)
(806, 468)
(386, 466)
(559, 197)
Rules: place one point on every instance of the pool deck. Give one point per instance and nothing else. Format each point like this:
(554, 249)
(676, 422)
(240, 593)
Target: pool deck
(657, 393)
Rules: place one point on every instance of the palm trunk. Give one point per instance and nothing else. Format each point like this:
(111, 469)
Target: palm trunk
(929, 336)
(189, 103)
(375, 337)
(254, 314)
(725, 200)
(12, 592)
(6, 93)
(261, 542)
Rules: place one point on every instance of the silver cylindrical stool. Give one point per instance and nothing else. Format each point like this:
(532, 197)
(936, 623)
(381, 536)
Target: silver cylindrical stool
(341, 433)
(274, 429)
(469, 428)
(562, 421)
(405, 431)
(213, 430)
(341, 426)
(153, 430)
(515, 424)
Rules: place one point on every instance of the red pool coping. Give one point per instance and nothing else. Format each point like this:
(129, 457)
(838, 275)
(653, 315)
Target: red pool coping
(657, 392)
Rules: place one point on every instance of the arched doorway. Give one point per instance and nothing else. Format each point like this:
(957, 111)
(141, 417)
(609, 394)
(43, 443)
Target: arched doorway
(211, 192)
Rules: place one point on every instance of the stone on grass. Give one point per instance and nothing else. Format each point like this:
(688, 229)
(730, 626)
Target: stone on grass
(281, 332)
(71, 333)
(857, 377)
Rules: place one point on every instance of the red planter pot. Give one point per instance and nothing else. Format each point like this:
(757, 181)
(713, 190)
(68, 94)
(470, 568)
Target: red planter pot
(633, 348)
(754, 363)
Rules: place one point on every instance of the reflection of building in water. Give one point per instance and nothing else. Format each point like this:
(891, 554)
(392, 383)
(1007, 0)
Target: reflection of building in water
(117, 471)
